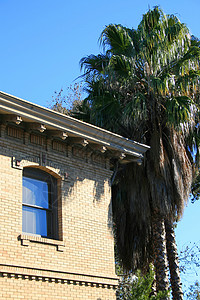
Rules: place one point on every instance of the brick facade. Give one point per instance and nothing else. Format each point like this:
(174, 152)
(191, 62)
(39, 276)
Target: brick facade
(80, 265)
(74, 259)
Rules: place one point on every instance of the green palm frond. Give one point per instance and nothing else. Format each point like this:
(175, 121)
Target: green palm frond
(178, 110)
(121, 65)
(94, 63)
(117, 40)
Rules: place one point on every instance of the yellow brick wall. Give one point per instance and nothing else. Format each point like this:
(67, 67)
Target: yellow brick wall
(12, 288)
(81, 264)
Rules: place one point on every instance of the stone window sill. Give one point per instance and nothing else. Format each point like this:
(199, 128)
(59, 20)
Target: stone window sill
(26, 239)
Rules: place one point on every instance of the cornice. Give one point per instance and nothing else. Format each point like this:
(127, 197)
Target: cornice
(30, 112)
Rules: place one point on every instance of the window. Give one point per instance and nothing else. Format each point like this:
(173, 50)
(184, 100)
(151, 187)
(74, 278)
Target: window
(39, 205)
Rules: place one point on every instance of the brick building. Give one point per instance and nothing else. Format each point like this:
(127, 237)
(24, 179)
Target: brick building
(56, 238)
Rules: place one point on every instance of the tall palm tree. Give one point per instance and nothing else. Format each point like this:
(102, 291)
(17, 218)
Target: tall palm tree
(145, 86)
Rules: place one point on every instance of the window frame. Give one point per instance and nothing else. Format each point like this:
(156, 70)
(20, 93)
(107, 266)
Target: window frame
(52, 221)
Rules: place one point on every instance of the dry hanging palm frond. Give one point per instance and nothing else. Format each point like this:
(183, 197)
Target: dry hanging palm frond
(132, 217)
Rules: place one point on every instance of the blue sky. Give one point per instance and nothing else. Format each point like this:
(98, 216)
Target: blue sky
(187, 233)
(42, 43)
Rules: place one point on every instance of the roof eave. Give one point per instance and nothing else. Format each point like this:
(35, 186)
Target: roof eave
(53, 120)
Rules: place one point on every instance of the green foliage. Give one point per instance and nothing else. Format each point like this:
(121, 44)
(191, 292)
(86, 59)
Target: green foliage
(178, 109)
(135, 286)
(145, 86)
(145, 76)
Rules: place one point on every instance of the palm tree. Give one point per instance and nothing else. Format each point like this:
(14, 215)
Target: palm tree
(196, 188)
(145, 86)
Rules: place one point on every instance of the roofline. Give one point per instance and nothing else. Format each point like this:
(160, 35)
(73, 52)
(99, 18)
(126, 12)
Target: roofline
(35, 113)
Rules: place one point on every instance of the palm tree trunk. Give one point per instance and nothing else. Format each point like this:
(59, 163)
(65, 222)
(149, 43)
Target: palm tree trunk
(160, 253)
(172, 255)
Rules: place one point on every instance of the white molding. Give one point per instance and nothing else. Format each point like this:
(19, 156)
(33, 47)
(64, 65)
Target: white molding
(52, 120)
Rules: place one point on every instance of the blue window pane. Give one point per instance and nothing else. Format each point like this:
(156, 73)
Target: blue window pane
(34, 220)
(35, 192)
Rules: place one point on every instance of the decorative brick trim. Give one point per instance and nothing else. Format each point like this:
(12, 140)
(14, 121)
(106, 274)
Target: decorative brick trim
(59, 274)
(56, 280)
